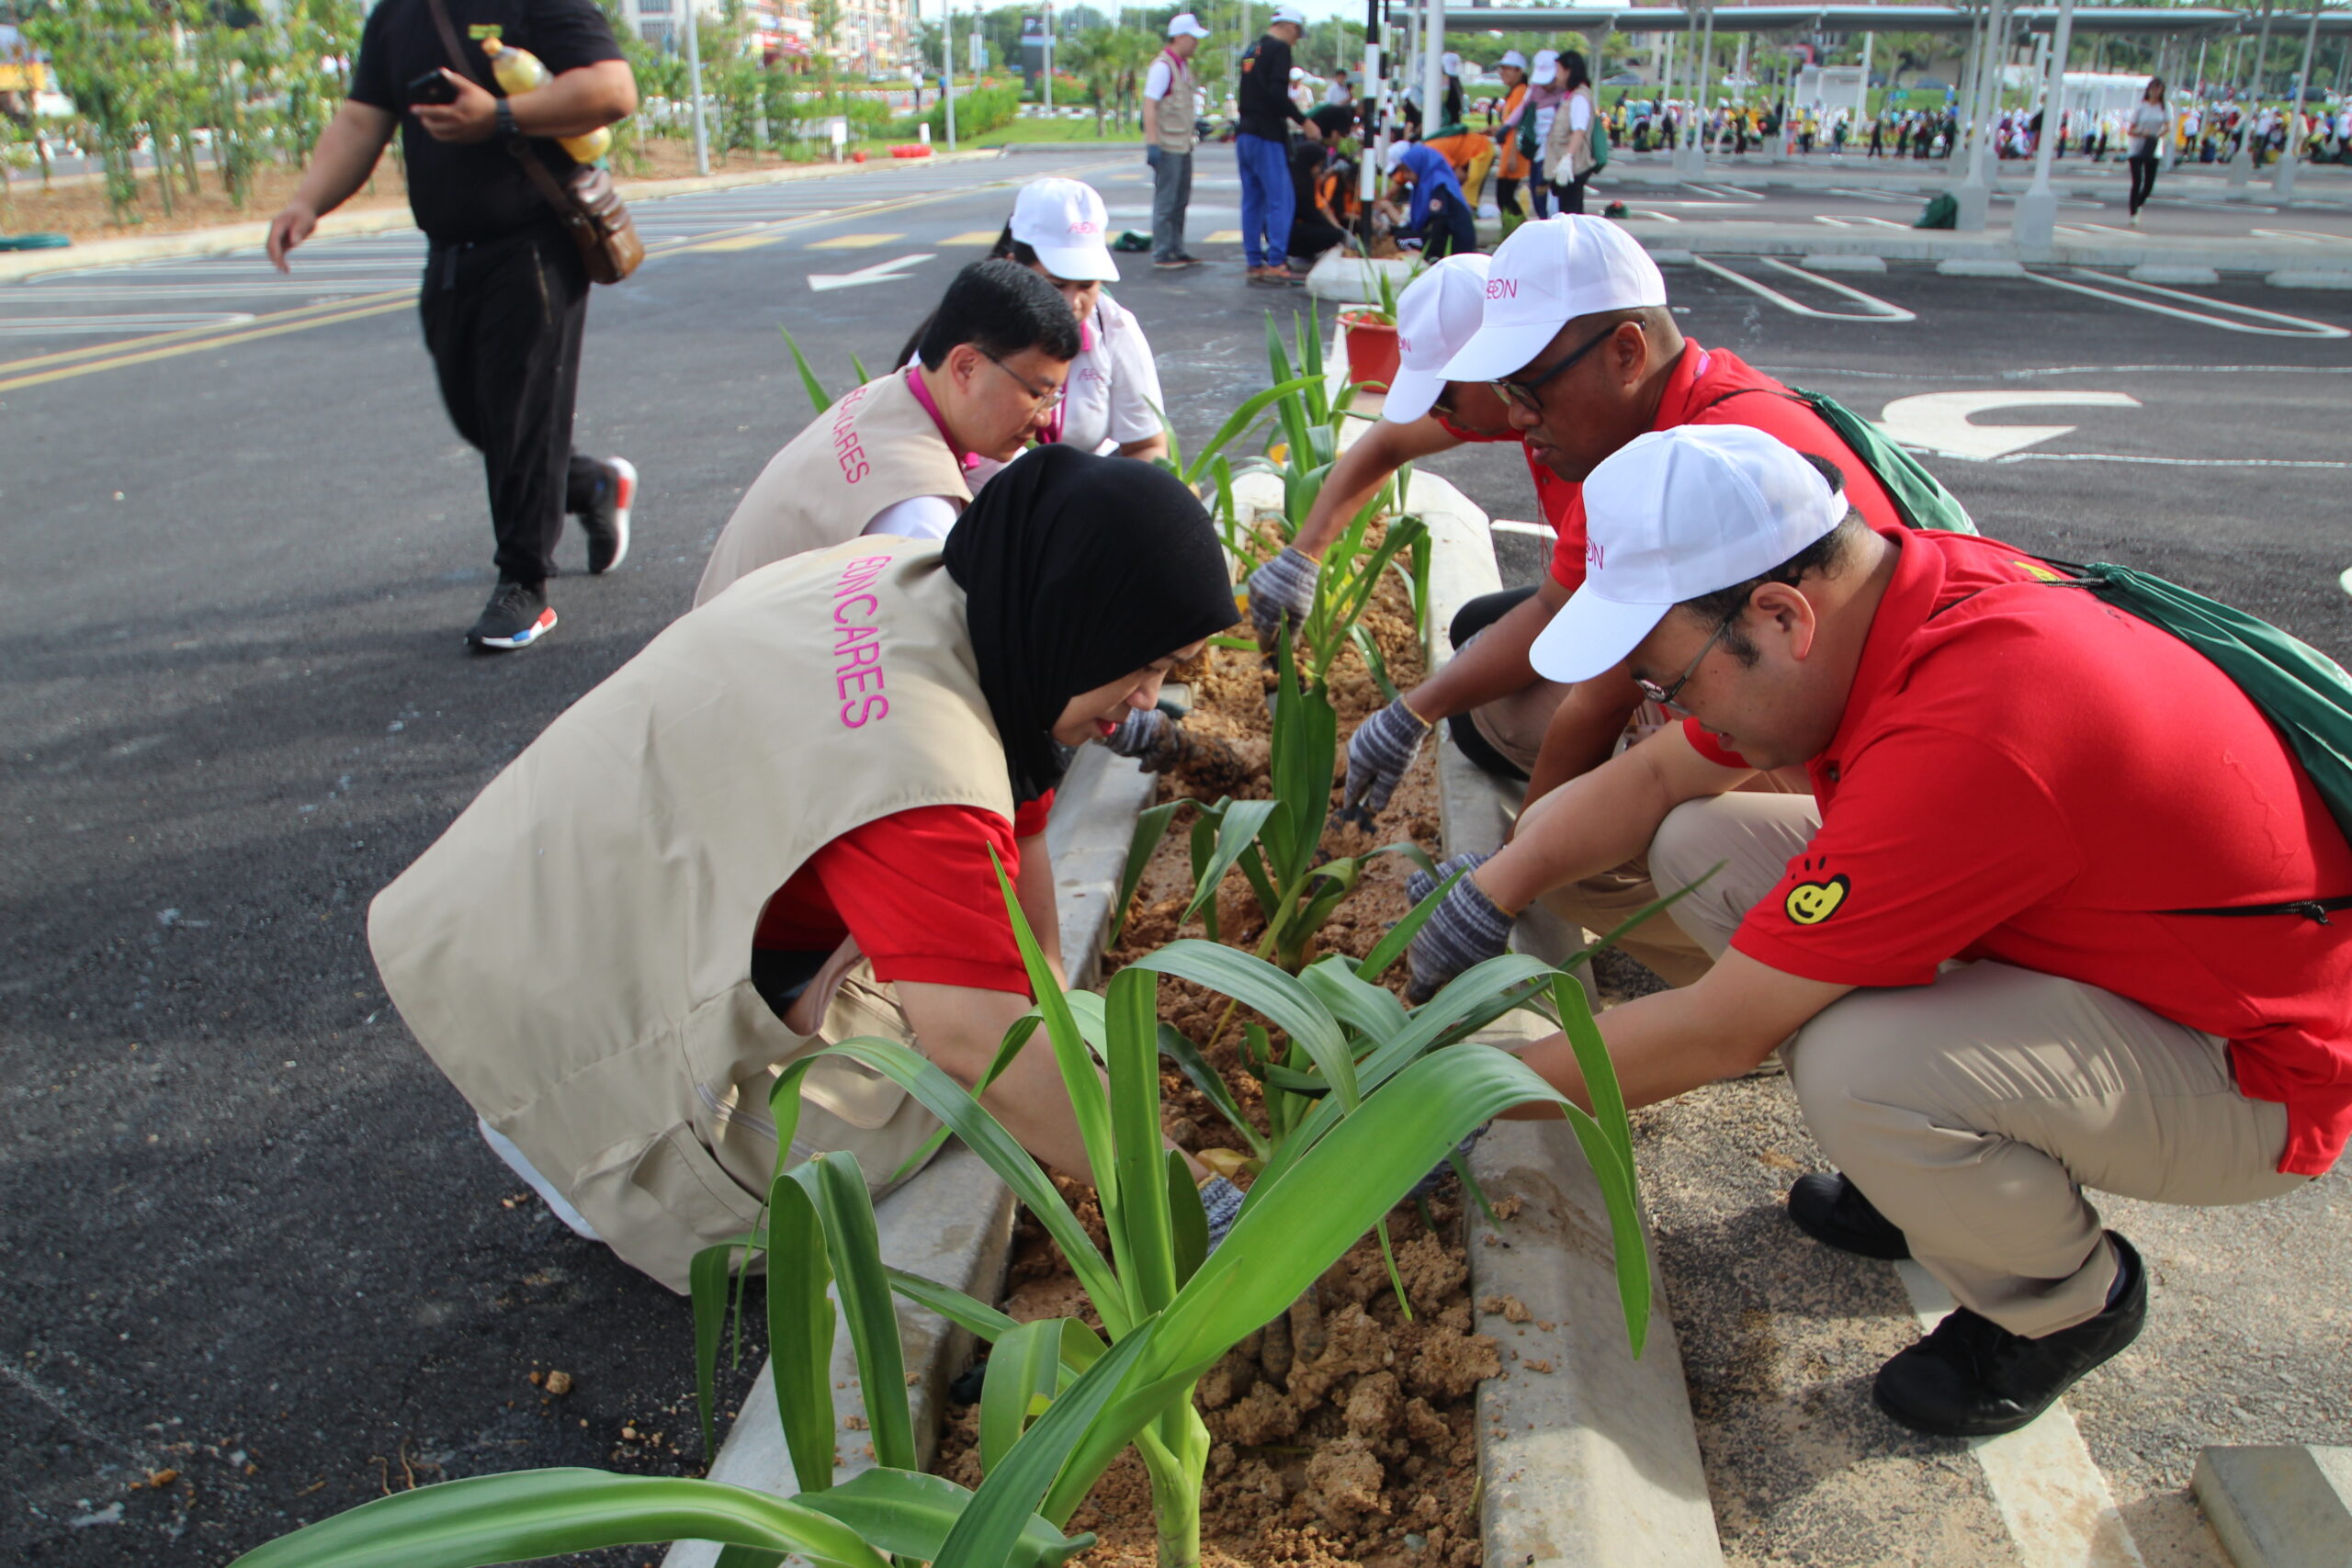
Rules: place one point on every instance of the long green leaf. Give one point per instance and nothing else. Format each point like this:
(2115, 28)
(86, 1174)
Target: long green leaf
(968, 1120)
(1370, 1009)
(1612, 1158)
(1189, 1061)
(1188, 1220)
(1089, 1103)
(1144, 1243)
(1278, 997)
(1151, 828)
(1241, 823)
(854, 1246)
(1391, 947)
(1024, 1369)
(800, 1330)
(910, 1514)
(818, 398)
(993, 1520)
(543, 1513)
(1239, 421)
(985, 1322)
(706, 1289)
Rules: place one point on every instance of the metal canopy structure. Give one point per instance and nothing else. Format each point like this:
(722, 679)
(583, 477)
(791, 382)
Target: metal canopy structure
(2201, 22)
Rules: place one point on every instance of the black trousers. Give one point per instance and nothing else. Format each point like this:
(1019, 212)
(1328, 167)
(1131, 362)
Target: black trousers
(2143, 177)
(1468, 622)
(1449, 228)
(1571, 195)
(503, 320)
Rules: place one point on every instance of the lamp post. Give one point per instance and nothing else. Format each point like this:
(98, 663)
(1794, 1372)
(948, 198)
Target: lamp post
(2035, 227)
(2282, 183)
(947, 66)
(694, 87)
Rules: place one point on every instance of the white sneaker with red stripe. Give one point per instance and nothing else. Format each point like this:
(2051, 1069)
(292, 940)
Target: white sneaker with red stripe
(518, 615)
(606, 521)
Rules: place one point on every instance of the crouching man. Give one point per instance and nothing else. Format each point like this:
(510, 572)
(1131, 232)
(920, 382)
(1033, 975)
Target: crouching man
(1998, 936)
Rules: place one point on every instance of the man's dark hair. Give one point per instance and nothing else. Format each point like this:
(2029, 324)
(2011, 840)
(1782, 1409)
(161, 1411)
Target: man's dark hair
(1335, 121)
(1826, 556)
(1000, 307)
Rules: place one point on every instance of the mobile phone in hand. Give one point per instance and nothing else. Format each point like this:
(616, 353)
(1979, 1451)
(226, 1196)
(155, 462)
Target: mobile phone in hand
(432, 87)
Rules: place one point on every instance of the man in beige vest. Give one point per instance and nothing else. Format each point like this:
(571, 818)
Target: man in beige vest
(777, 827)
(892, 457)
(1171, 129)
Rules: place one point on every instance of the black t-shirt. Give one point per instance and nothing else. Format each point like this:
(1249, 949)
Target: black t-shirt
(474, 191)
(1263, 97)
(1306, 161)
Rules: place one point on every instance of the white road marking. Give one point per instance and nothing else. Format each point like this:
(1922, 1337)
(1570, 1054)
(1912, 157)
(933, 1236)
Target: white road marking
(2289, 326)
(2051, 1495)
(1860, 195)
(880, 272)
(2174, 462)
(1729, 193)
(1534, 530)
(1652, 212)
(2344, 581)
(2309, 236)
(319, 287)
(47, 326)
(1940, 421)
(2175, 369)
(1864, 221)
(1877, 310)
(2089, 231)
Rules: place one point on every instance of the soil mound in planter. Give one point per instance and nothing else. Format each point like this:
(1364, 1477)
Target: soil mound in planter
(1344, 1433)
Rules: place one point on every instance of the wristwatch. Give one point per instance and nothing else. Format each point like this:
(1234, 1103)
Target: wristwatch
(507, 129)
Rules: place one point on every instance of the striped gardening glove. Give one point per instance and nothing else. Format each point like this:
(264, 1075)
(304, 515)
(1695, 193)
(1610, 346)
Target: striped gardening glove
(1282, 590)
(1464, 930)
(1383, 747)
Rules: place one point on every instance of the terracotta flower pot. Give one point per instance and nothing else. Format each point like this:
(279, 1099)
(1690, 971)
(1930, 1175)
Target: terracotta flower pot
(1371, 350)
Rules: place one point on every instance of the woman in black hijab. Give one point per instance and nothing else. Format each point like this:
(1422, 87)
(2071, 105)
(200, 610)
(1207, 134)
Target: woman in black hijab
(1085, 578)
(780, 825)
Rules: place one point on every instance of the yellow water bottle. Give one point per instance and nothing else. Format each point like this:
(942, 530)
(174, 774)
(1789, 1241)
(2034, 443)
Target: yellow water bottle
(520, 71)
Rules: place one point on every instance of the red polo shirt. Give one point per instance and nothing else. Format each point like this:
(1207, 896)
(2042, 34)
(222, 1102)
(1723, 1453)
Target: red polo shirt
(1698, 393)
(1554, 497)
(917, 890)
(2024, 773)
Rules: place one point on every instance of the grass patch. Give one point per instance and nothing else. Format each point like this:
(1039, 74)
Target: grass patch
(1026, 130)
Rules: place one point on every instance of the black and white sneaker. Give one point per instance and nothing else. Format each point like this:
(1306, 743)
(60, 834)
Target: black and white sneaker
(607, 520)
(518, 615)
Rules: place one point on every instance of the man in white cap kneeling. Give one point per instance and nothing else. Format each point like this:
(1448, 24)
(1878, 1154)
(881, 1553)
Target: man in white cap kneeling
(1172, 112)
(1987, 944)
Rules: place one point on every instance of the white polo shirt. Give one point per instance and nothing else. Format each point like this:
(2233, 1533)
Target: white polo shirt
(1113, 396)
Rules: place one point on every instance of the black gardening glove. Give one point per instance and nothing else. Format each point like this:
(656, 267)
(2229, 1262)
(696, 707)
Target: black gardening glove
(1148, 735)
(1466, 930)
(1383, 747)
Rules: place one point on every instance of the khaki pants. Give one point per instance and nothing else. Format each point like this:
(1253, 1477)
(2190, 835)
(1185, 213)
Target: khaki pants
(680, 1166)
(1974, 1112)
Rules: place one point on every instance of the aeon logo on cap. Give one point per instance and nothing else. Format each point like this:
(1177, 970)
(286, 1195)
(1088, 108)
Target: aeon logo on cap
(1595, 558)
(1502, 289)
(1086, 226)
(1404, 344)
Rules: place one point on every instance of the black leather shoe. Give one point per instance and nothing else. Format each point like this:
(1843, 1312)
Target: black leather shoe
(1971, 1378)
(1831, 1209)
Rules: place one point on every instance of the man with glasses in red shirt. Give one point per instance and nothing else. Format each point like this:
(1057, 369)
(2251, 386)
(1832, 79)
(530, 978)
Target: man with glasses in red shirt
(2000, 955)
(1576, 338)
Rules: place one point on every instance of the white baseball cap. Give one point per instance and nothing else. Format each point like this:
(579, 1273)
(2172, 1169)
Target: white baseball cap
(1065, 222)
(1673, 514)
(1290, 14)
(1186, 24)
(1546, 72)
(1545, 276)
(1511, 57)
(1394, 156)
(1299, 72)
(1436, 314)
(1451, 62)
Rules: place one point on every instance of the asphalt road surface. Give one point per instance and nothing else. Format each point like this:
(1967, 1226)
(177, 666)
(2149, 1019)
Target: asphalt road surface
(252, 1237)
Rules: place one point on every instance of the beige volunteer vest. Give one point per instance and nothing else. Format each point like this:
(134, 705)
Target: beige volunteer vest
(574, 952)
(875, 447)
(1181, 108)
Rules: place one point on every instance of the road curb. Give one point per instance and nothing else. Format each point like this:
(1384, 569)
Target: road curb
(951, 1221)
(1585, 1455)
(390, 219)
(2278, 1506)
(2309, 278)
(1952, 250)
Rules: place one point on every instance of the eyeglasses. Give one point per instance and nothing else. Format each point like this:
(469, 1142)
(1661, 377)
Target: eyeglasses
(1528, 394)
(1043, 398)
(1664, 695)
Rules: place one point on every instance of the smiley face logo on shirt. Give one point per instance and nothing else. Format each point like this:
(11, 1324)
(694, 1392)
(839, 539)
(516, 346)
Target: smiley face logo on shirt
(1814, 900)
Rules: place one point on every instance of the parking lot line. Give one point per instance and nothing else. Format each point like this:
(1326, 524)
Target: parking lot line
(840, 243)
(1876, 309)
(162, 322)
(2052, 1496)
(207, 339)
(2286, 326)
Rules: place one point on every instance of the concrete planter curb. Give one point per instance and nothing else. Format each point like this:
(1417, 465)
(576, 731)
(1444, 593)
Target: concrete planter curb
(1811, 244)
(385, 220)
(2288, 1505)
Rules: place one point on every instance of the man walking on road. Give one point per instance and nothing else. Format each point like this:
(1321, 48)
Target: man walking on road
(1262, 147)
(505, 293)
(1171, 107)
